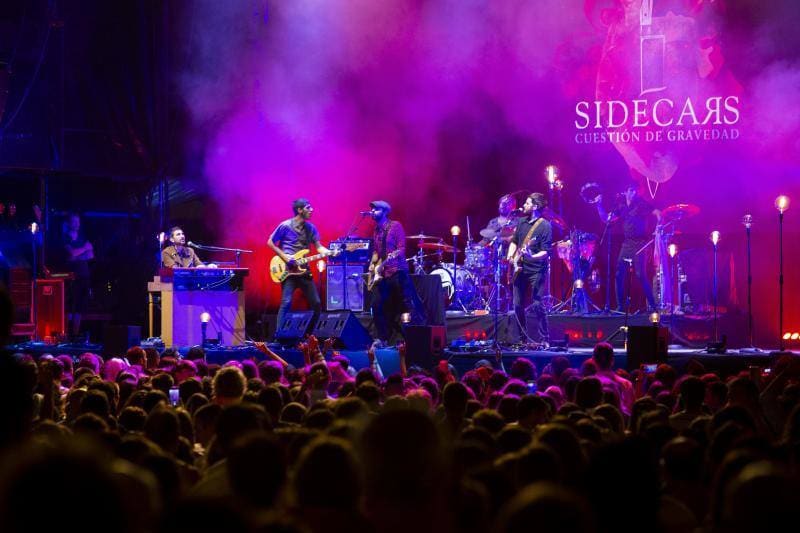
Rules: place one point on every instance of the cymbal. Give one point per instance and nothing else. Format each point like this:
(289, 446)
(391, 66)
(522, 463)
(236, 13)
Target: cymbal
(505, 231)
(679, 211)
(422, 236)
(437, 246)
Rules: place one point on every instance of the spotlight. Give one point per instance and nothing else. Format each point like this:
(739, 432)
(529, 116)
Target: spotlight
(787, 336)
(714, 237)
(455, 231)
(405, 318)
(782, 203)
(655, 318)
(34, 227)
(321, 266)
(673, 250)
(795, 336)
(161, 237)
(578, 283)
(551, 173)
(205, 318)
(747, 220)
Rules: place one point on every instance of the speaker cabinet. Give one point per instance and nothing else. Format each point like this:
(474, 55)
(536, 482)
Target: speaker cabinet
(336, 281)
(344, 327)
(49, 307)
(424, 345)
(647, 345)
(117, 339)
(293, 327)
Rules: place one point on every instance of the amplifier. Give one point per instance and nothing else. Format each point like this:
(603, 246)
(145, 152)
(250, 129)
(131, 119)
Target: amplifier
(337, 281)
(354, 252)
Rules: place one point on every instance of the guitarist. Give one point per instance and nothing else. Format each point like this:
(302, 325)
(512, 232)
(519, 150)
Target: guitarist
(291, 236)
(529, 250)
(388, 266)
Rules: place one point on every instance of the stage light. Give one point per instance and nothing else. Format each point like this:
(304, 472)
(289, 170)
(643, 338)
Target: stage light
(161, 237)
(578, 283)
(405, 318)
(787, 335)
(34, 227)
(551, 173)
(455, 231)
(655, 318)
(795, 336)
(782, 203)
(321, 265)
(673, 250)
(747, 220)
(205, 317)
(714, 237)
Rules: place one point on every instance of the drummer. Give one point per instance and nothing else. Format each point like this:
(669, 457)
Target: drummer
(503, 225)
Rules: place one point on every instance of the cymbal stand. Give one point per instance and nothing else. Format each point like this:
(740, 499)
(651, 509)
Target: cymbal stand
(607, 235)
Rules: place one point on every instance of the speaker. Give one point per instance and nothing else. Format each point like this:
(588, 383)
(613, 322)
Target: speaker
(424, 345)
(647, 345)
(344, 327)
(294, 326)
(49, 307)
(335, 285)
(117, 339)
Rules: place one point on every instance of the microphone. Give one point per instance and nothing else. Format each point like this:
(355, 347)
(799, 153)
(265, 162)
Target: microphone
(365, 213)
(193, 245)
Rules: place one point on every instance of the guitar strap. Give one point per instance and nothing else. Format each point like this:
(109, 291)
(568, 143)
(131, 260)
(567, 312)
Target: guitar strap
(383, 240)
(527, 238)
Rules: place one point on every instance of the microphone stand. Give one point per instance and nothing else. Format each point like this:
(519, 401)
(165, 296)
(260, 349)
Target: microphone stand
(752, 348)
(347, 236)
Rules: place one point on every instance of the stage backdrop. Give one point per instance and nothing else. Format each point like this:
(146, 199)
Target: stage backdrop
(439, 107)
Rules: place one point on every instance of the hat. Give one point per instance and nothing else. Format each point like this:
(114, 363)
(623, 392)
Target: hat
(380, 204)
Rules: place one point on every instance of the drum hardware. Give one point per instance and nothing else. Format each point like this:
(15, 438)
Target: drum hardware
(438, 246)
(422, 236)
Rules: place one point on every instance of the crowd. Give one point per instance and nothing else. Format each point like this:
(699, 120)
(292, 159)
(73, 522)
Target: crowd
(159, 442)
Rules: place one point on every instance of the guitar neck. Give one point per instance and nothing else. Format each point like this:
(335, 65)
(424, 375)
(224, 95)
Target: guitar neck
(310, 258)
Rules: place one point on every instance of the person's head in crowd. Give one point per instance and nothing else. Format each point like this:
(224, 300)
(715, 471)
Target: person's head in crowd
(512, 439)
(564, 441)
(695, 368)
(515, 386)
(420, 400)
(474, 382)
(523, 369)
(612, 415)
(91, 361)
(233, 422)
(497, 380)
(153, 359)
(257, 470)
(113, 367)
(163, 382)
(364, 375)
(556, 395)
(692, 394)
(532, 411)
(603, 355)
(454, 399)
(187, 388)
(67, 364)
(508, 408)
(589, 393)
(163, 428)
(249, 368)
(667, 375)
(716, 395)
(558, 365)
(185, 369)
(394, 386)
(136, 356)
(324, 459)
(270, 372)
(228, 386)
(429, 384)
(293, 413)
(545, 381)
(131, 419)
(370, 394)
(551, 507)
(195, 353)
(743, 392)
(488, 419)
(588, 368)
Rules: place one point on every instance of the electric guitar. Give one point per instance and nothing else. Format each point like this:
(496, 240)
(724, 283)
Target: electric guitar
(516, 261)
(376, 274)
(279, 270)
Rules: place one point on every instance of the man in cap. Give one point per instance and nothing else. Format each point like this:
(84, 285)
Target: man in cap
(389, 265)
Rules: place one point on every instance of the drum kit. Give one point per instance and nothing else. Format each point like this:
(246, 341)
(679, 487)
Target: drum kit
(482, 282)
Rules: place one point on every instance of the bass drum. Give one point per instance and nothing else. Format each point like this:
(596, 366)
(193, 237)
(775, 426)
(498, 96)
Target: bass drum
(465, 288)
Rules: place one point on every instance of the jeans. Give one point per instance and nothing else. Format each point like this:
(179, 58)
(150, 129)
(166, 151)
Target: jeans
(385, 316)
(305, 284)
(533, 282)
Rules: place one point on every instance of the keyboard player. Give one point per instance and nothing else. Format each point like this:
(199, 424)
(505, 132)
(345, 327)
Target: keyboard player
(178, 255)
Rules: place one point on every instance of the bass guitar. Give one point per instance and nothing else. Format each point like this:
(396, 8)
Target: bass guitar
(279, 270)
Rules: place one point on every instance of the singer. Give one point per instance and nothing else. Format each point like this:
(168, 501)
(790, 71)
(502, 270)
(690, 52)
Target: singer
(177, 254)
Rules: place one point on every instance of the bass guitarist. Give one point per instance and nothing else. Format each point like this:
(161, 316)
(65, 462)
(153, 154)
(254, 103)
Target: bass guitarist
(290, 237)
(529, 250)
(388, 274)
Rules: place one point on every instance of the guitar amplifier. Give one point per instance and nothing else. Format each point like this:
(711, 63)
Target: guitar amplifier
(336, 279)
(354, 252)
